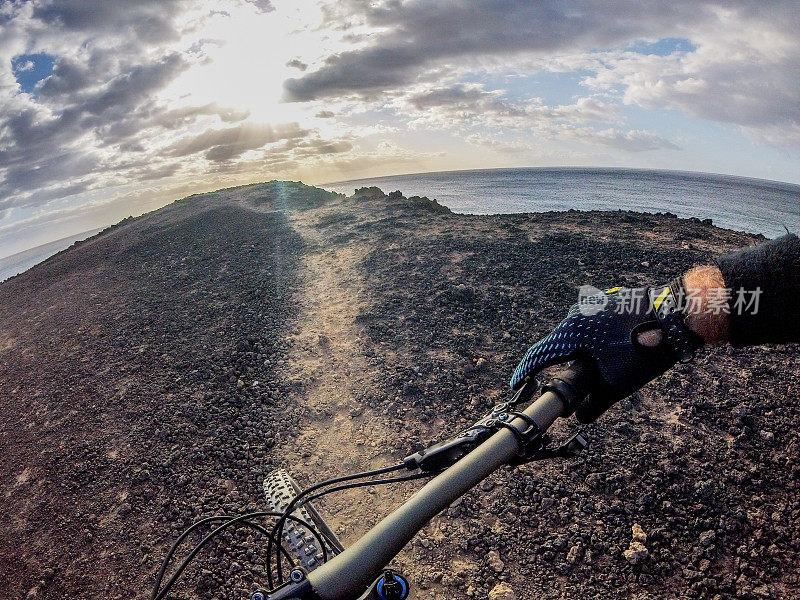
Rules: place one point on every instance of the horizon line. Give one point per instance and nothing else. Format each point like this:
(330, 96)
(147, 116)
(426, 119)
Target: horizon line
(562, 167)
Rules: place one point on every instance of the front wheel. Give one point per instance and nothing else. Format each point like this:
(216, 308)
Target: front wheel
(280, 489)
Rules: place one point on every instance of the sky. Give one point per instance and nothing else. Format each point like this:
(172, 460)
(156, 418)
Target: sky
(110, 108)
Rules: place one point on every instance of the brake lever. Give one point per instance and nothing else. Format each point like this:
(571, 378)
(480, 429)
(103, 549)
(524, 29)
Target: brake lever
(441, 455)
(572, 447)
(444, 454)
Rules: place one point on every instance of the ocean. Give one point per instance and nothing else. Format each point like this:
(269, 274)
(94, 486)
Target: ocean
(742, 204)
(22, 261)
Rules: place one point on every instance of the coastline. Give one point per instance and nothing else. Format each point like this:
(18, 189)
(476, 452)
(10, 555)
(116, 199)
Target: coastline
(732, 202)
(18, 263)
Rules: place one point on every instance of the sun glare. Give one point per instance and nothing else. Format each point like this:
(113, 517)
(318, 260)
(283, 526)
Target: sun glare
(244, 56)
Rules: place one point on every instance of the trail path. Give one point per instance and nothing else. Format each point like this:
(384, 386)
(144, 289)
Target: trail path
(328, 359)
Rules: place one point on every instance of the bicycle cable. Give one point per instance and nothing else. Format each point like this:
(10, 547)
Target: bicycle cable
(228, 521)
(219, 518)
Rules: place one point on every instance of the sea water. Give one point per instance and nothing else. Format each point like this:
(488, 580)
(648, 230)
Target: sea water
(743, 204)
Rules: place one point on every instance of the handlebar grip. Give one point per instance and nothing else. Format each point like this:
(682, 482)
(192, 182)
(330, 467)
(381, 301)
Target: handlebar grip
(572, 384)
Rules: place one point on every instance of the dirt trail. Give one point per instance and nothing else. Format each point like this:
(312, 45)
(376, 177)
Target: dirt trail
(329, 366)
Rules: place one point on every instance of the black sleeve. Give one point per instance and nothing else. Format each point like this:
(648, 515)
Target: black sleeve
(773, 269)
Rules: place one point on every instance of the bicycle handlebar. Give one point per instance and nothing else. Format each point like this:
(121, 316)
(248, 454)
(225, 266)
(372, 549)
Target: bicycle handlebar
(346, 575)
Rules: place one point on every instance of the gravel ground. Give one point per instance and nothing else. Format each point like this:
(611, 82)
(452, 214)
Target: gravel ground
(153, 374)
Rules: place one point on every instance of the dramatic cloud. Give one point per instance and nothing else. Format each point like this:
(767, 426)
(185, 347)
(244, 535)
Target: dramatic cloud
(742, 69)
(417, 35)
(150, 22)
(89, 107)
(41, 145)
(225, 144)
(749, 79)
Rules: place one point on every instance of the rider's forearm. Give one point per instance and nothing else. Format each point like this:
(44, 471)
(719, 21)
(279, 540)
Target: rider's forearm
(703, 315)
(749, 297)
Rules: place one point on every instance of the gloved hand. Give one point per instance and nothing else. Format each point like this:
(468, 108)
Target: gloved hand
(603, 327)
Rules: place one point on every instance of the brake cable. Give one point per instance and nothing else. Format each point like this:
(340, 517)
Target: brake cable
(339, 488)
(159, 594)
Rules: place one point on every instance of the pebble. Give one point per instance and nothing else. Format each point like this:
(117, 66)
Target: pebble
(638, 534)
(502, 591)
(707, 538)
(495, 563)
(636, 553)
(574, 554)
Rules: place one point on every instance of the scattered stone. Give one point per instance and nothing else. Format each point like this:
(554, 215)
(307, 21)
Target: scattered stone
(636, 553)
(495, 563)
(230, 316)
(707, 538)
(574, 554)
(502, 591)
(638, 534)
(462, 293)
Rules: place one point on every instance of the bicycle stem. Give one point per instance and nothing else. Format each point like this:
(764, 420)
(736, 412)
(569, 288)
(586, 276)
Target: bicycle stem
(346, 575)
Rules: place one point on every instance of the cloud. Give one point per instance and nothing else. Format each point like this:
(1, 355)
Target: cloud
(97, 113)
(297, 64)
(413, 36)
(497, 145)
(749, 78)
(150, 22)
(457, 103)
(356, 162)
(41, 146)
(152, 173)
(630, 141)
(316, 147)
(462, 105)
(129, 89)
(262, 6)
(68, 76)
(469, 98)
(737, 63)
(224, 144)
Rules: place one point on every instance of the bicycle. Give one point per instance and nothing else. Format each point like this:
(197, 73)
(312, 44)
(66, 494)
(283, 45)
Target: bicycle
(327, 570)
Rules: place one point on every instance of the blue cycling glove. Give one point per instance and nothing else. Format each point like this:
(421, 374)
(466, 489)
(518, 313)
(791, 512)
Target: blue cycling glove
(603, 327)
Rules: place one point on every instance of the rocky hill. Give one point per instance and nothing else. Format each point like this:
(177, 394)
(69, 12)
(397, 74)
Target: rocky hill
(154, 373)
